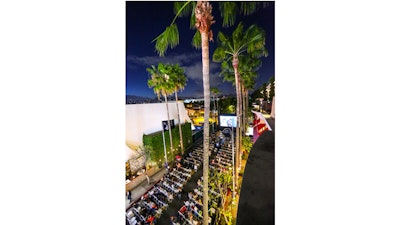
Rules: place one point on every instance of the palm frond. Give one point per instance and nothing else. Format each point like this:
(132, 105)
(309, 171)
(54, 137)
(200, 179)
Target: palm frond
(222, 39)
(193, 17)
(219, 54)
(196, 40)
(225, 42)
(248, 8)
(170, 37)
(228, 10)
(237, 37)
(182, 8)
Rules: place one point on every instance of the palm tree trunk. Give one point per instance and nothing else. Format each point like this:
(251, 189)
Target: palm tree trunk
(245, 106)
(240, 131)
(244, 117)
(169, 124)
(206, 142)
(235, 63)
(246, 94)
(243, 110)
(179, 123)
(213, 96)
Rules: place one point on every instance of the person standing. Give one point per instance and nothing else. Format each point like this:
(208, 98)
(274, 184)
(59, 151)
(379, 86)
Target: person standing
(129, 196)
(179, 193)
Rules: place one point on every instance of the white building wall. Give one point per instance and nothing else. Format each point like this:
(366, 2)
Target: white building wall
(273, 108)
(146, 118)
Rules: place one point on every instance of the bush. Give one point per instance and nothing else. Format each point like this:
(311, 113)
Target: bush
(247, 144)
(155, 141)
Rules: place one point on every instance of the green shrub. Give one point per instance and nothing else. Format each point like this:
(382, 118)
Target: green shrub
(155, 141)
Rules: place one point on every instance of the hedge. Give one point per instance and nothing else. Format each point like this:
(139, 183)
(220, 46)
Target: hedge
(155, 140)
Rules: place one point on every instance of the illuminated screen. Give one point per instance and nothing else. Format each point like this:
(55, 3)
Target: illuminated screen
(227, 120)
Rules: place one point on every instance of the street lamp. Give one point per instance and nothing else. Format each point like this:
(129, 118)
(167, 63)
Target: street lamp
(165, 149)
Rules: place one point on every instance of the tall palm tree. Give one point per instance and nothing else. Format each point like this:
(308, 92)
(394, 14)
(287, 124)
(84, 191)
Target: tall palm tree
(250, 42)
(202, 19)
(161, 85)
(179, 80)
(247, 70)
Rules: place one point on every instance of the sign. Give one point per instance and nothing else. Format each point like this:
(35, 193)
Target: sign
(165, 124)
(227, 120)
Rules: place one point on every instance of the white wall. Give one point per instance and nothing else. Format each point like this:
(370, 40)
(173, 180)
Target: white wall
(273, 108)
(146, 118)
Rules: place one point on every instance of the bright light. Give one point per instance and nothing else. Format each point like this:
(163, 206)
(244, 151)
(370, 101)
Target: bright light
(228, 120)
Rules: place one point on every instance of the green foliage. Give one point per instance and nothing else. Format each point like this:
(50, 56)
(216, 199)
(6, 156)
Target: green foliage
(215, 90)
(248, 8)
(256, 45)
(245, 48)
(260, 93)
(166, 79)
(227, 105)
(251, 40)
(177, 76)
(181, 8)
(170, 37)
(237, 38)
(219, 54)
(228, 10)
(155, 142)
(149, 153)
(196, 41)
(220, 182)
(248, 68)
(247, 144)
(159, 81)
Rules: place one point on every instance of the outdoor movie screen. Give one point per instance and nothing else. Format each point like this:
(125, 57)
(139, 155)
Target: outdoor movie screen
(227, 120)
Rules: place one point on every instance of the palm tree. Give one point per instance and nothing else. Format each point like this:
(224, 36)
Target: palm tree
(202, 19)
(250, 41)
(247, 70)
(248, 75)
(161, 85)
(179, 80)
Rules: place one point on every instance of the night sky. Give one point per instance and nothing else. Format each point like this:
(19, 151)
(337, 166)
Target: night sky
(146, 20)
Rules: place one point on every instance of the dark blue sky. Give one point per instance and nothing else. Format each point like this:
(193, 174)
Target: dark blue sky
(146, 20)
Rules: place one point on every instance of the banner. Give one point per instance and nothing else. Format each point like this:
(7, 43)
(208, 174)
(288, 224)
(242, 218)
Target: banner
(165, 124)
(260, 125)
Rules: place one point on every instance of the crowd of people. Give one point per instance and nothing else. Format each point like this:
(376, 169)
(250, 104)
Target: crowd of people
(191, 211)
(151, 205)
(148, 209)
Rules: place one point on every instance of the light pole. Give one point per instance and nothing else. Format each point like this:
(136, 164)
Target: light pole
(165, 149)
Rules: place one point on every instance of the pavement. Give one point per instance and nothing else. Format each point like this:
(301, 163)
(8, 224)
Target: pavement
(257, 196)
